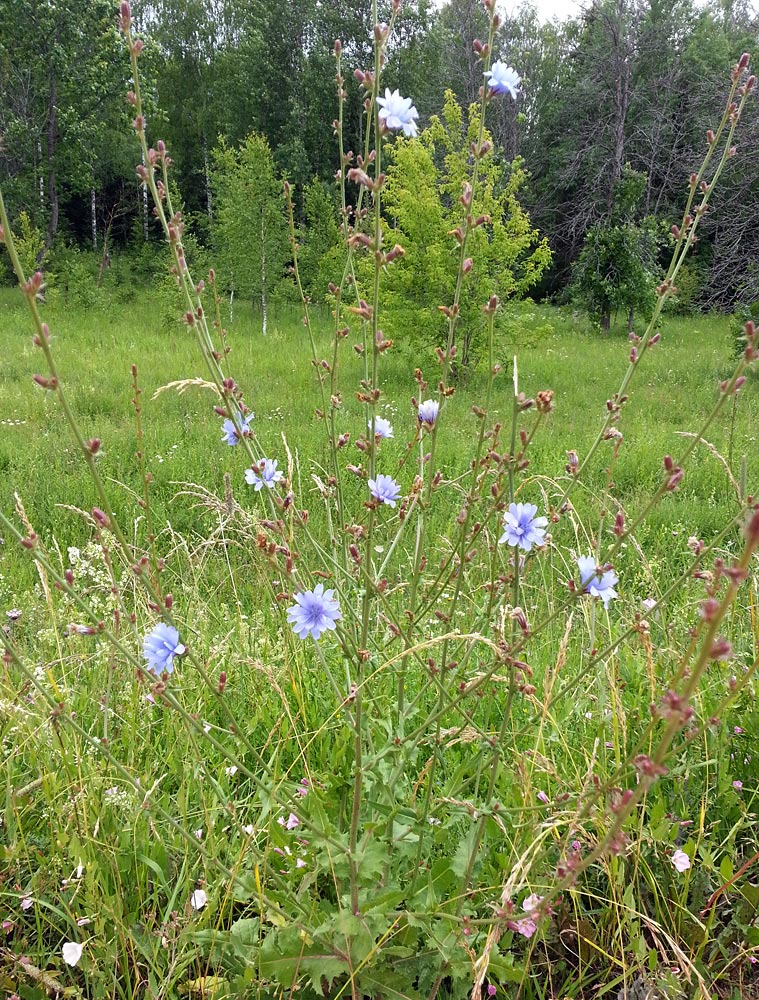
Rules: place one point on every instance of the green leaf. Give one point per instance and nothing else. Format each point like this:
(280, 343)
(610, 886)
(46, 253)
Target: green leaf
(155, 868)
(439, 880)
(628, 898)
(210, 987)
(390, 984)
(750, 893)
(371, 857)
(386, 901)
(460, 859)
(289, 955)
(504, 968)
(404, 834)
(245, 935)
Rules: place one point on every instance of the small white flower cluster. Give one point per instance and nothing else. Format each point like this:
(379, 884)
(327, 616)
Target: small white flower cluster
(92, 574)
(119, 798)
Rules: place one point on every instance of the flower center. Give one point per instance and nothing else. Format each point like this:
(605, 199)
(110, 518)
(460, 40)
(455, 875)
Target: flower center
(314, 613)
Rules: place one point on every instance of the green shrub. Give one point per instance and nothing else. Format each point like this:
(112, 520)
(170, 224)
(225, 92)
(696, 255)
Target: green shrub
(320, 258)
(30, 245)
(422, 208)
(618, 268)
(75, 275)
(690, 283)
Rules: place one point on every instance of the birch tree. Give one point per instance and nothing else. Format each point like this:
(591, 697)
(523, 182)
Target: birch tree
(250, 230)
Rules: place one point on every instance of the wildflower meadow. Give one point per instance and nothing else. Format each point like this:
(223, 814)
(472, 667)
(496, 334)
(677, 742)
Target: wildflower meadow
(394, 647)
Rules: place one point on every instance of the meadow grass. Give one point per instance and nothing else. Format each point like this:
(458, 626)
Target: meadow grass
(97, 347)
(78, 842)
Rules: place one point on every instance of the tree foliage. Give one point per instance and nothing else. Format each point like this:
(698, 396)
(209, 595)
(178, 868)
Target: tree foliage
(625, 81)
(618, 267)
(421, 205)
(63, 118)
(320, 256)
(250, 231)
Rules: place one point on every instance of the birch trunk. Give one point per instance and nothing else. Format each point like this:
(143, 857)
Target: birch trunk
(52, 137)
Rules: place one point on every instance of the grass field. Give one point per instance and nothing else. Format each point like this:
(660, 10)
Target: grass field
(102, 864)
(95, 350)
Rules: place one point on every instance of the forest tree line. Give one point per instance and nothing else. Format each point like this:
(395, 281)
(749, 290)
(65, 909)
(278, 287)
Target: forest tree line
(611, 120)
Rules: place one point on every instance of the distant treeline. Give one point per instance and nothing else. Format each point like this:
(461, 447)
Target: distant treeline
(629, 84)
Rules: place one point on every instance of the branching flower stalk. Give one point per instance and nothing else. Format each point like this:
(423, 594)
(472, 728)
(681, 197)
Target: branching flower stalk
(328, 407)
(413, 646)
(670, 481)
(570, 686)
(446, 359)
(478, 478)
(685, 239)
(675, 709)
(370, 396)
(452, 311)
(145, 503)
(438, 584)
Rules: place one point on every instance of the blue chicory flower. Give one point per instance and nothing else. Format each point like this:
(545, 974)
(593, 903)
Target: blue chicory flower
(382, 428)
(594, 583)
(503, 79)
(268, 474)
(522, 528)
(397, 112)
(159, 648)
(315, 611)
(385, 489)
(428, 411)
(229, 431)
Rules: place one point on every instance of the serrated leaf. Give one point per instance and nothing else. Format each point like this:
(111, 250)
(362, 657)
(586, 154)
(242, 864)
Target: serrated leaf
(322, 968)
(287, 956)
(245, 936)
(460, 860)
(370, 859)
(387, 900)
(388, 984)
(504, 968)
